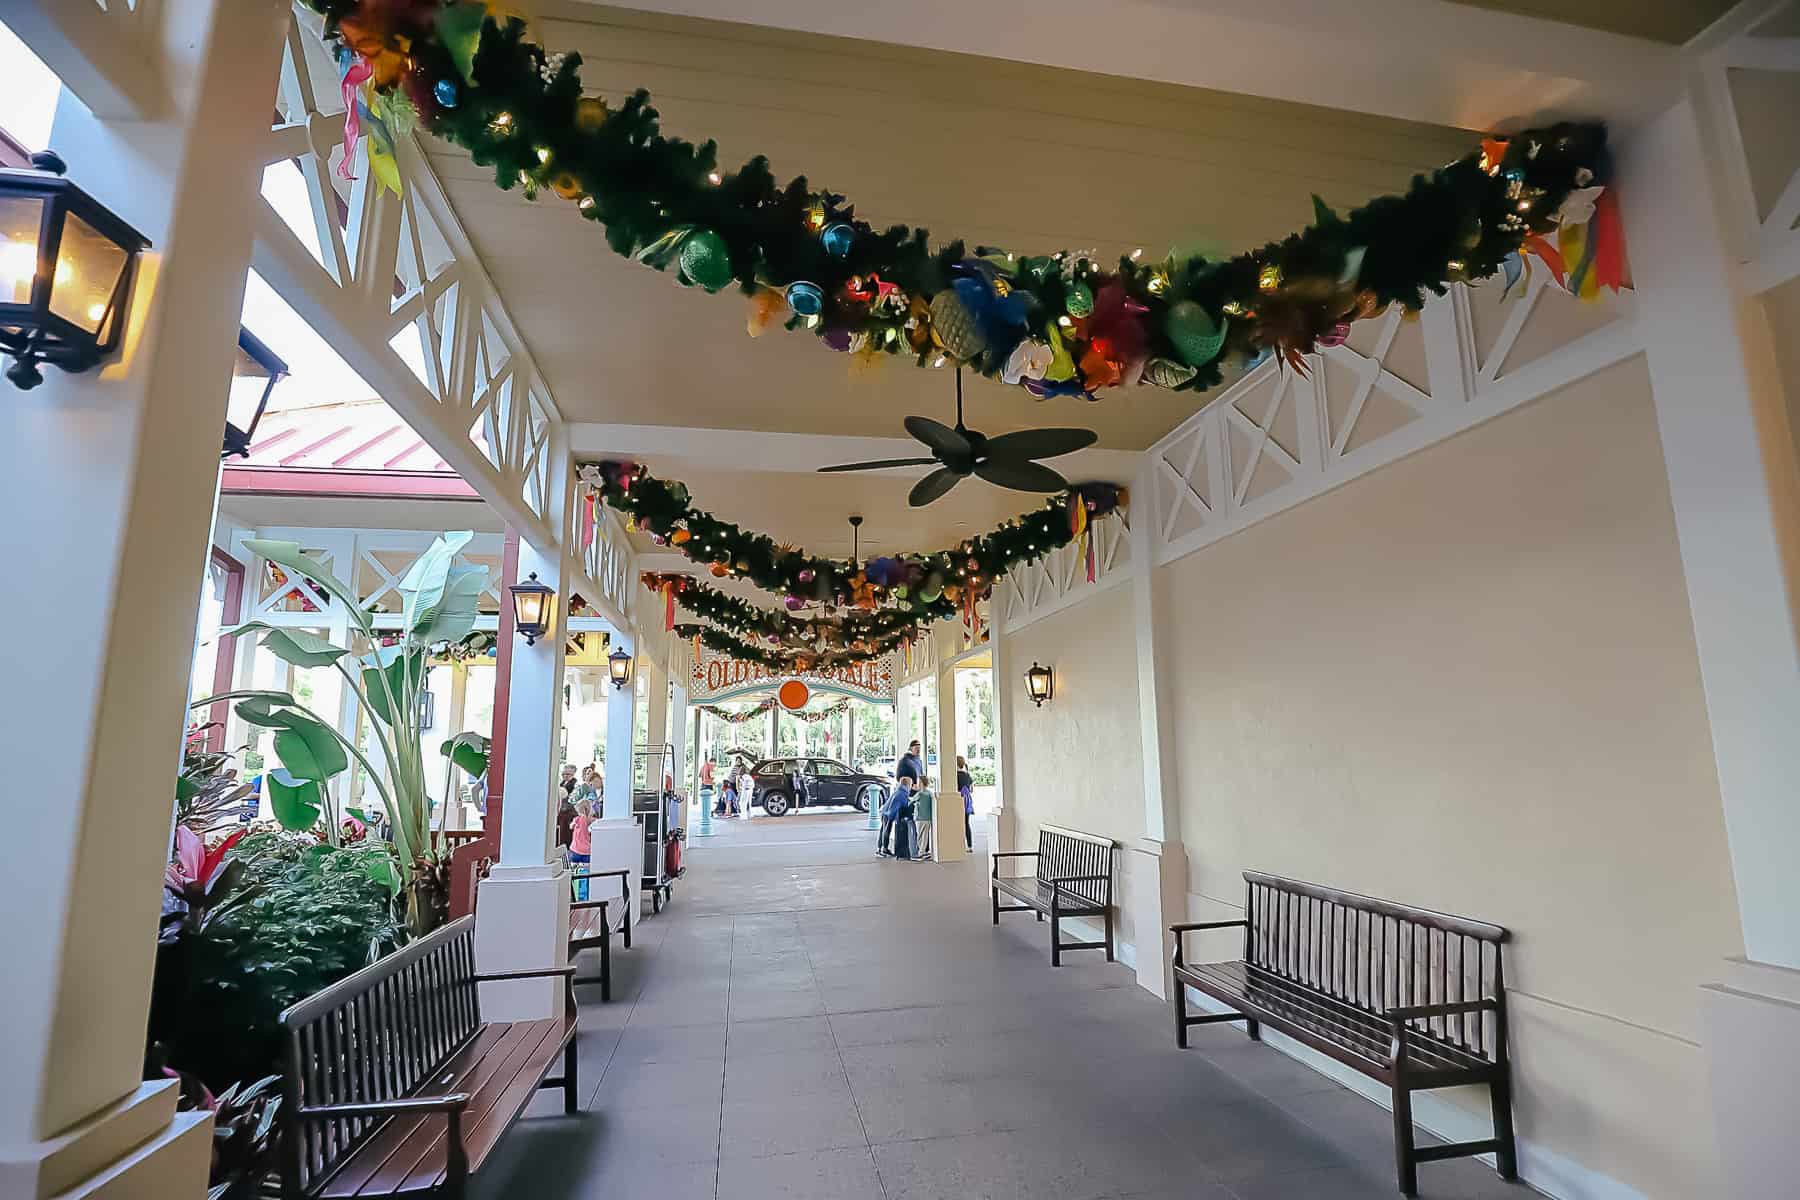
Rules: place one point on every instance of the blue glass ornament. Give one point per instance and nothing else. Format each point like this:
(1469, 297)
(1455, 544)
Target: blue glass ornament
(446, 92)
(837, 239)
(805, 298)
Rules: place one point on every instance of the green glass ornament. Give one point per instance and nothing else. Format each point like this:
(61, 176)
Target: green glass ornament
(1167, 373)
(706, 260)
(1196, 336)
(1080, 300)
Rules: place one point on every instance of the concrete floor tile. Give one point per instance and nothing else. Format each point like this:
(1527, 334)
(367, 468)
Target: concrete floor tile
(842, 1174)
(759, 1128)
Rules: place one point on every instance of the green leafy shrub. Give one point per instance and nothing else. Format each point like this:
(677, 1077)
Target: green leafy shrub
(304, 916)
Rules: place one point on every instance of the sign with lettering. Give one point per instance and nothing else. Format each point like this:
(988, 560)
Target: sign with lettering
(718, 676)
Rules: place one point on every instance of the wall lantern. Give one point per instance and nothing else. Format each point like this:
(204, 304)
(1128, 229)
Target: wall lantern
(65, 272)
(532, 605)
(1039, 683)
(618, 665)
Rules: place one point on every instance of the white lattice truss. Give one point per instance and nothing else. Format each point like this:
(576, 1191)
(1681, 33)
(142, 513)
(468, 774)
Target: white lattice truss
(1762, 223)
(392, 279)
(1059, 579)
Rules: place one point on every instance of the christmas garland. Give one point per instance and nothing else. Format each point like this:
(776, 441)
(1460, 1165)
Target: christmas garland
(1059, 324)
(927, 586)
(852, 630)
(784, 660)
(811, 716)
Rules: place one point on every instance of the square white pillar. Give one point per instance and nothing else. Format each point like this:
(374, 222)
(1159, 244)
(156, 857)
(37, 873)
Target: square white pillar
(109, 479)
(947, 815)
(621, 714)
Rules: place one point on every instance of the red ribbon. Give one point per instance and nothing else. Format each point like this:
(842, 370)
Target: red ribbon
(356, 74)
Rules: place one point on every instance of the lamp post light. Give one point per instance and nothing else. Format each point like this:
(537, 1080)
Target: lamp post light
(618, 665)
(1039, 683)
(66, 263)
(533, 605)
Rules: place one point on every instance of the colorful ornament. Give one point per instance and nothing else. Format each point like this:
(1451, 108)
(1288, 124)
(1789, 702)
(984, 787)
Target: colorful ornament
(706, 260)
(1167, 373)
(445, 92)
(794, 603)
(1196, 336)
(719, 570)
(680, 537)
(1079, 302)
(564, 184)
(1337, 335)
(590, 113)
(954, 327)
(805, 298)
(806, 575)
(838, 239)
(1029, 360)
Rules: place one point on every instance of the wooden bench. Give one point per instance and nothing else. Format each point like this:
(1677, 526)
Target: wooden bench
(593, 923)
(1074, 879)
(1412, 998)
(393, 1085)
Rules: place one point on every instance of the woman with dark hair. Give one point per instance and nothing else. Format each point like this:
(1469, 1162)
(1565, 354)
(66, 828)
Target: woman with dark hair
(965, 784)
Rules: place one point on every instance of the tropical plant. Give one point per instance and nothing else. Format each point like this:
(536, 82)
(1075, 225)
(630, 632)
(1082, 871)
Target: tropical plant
(440, 609)
(299, 916)
(208, 797)
(244, 1134)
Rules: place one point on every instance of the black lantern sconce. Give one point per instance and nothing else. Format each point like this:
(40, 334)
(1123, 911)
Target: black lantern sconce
(66, 264)
(533, 604)
(1039, 683)
(618, 665)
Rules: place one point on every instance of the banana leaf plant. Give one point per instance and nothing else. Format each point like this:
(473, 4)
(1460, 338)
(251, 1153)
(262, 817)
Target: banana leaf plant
(440, 607)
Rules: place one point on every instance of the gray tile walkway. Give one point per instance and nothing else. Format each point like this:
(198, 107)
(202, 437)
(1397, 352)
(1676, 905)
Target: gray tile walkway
(810, 1023)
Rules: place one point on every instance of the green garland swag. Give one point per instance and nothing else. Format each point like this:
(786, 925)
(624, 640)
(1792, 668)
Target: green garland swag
(748, 620)
(810, 716)
(1059, 324)
(928, 586)
(773, 658)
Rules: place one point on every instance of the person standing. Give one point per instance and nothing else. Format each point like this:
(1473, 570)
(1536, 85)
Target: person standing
(922, 810)
(706, 783)
(965, 786)
(897, 799)
(581, 846)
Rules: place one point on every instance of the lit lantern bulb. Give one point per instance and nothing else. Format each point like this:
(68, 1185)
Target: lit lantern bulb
(714, 178)
(1269, 278)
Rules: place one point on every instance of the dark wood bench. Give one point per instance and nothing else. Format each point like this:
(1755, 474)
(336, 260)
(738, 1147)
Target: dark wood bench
(1073, 879)
(1412, 998)
(593, 923)
(393, 1085)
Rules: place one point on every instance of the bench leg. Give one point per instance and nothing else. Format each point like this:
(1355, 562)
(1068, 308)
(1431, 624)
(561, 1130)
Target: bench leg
(569, 1086)
(628, 922)
(1254, 1029)
(1178, 994)
(1506, 1157)
(1055, 933)
(1404, 1163)
(994, 899)
(1109, 938)
(606, 967)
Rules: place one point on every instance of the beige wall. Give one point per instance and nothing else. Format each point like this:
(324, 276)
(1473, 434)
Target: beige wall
(1078, 761)
(1468, 681)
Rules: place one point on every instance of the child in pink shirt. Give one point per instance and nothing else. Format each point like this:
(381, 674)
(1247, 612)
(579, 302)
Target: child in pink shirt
(581, 845)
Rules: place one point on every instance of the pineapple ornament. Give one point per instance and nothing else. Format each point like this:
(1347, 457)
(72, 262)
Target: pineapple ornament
(955, 328)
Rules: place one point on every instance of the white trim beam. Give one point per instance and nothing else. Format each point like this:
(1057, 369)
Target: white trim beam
(1456, 65)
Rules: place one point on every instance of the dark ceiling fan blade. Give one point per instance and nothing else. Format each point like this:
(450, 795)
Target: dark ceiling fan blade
(932, 486)
(1040, 443)
(879, 465)
(1022, 476)
(944, 441)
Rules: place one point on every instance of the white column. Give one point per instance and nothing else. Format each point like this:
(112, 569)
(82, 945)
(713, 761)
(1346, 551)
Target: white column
(621, 714)
(678, 742)
(1154, 868)
(947, 815)
(109, 479)
(1000, 825)
(522, 907)
(1716, 388)
(656, 699)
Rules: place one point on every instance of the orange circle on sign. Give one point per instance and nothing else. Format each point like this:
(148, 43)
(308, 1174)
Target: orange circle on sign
(793, 695)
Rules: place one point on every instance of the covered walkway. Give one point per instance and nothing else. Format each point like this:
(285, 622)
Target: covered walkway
(811, 1023)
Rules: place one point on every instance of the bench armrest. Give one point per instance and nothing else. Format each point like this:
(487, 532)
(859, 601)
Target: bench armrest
(1420, 1012)
(1077, 879)
(581, 904)
(1190, 926)
(540, 973)
(622, 873)
(451, 1102)
(1014, 854)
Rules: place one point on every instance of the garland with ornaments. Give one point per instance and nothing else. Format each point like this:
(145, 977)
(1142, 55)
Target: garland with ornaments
(928, 586)
(855, 629)
(775, 659)
(812, 716)
(1056, 324)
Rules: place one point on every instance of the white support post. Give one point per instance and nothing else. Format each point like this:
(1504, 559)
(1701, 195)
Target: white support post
(109, 478)
(1000, 826)
(947, 813)
(1155, 867)
(678, 741)
(1716, 387)
(522, 910)
(621, 715)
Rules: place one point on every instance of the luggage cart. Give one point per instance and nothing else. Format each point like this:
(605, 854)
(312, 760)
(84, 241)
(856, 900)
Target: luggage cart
(657, 814)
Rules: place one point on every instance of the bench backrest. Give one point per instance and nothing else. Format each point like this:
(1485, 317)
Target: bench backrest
(1067, 853)
(375, 1035)
(1375, 954)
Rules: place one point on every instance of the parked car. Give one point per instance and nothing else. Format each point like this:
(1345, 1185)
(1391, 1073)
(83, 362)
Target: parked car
(784, 784)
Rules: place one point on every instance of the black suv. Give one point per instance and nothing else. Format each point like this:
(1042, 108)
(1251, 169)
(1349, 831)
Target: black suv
(784, 784)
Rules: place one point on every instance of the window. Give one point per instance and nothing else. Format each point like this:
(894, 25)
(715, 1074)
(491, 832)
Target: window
(825, 768)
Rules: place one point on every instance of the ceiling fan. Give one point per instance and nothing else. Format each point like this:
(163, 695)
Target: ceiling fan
(1008, 461)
